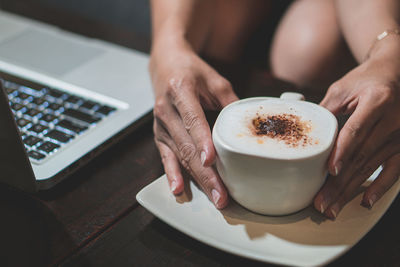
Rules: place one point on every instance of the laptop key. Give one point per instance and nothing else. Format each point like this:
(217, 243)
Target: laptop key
(54, 93)
(38, 128)
(17, 106)
(23, 122)
(72, 99)
(32, 112)
(69, 125)
(54, 106)
(38, 101)
(22, 95)
(80, 115)
(105, 110)
(48, 117)
(36, 155)
(48, 146)
(59, 136)
(88, 104)
(31, 140)
(10, 90)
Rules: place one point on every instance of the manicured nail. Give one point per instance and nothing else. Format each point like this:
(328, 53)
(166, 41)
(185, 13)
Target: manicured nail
(322, 208)
(215, 196)
(338, 168)
(371, 200)
(335, 210)
(336, 171)
(203, 157)
(173, 186)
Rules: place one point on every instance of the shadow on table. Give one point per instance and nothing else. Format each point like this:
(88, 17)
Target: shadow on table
(307, 226)
(30, 233)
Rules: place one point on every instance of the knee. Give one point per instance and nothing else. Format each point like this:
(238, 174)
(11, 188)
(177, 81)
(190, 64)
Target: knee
(296, 59)
(303, 47)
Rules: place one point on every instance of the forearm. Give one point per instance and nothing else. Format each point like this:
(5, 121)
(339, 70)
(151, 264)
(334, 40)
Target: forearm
(363, 20)
(181, 21)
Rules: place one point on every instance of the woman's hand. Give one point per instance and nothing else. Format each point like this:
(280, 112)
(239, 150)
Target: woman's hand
(184, 85)
(370, 137)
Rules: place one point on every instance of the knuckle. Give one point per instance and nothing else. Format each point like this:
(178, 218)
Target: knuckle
(386, 94)
(335, 88)
(336, 185)
(185, 165)
(160, 135)
(205, 181)
(223, 86)
(164, 158)
(190, 120)
(361, 158)
(178, 84)
(187, 152)
(159, 108)
(354, 129)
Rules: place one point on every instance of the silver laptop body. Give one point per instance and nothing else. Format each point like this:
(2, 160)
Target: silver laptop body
(88, 68)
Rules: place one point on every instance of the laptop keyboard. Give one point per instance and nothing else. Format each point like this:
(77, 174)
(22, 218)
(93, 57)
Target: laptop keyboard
(49, 119)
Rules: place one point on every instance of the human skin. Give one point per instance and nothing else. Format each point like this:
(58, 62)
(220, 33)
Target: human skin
(185, 85)
(368, 92)
(371, 94)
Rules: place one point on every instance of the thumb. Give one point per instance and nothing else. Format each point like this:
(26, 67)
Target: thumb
(224, 92)
(334, 99)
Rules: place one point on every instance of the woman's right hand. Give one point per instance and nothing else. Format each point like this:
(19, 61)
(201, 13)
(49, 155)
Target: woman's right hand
(184, 85)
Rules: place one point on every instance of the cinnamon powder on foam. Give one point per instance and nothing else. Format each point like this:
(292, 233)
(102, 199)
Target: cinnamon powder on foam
(283, 127)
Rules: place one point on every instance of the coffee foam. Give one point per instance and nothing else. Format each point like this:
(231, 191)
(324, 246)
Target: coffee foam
(288, 129)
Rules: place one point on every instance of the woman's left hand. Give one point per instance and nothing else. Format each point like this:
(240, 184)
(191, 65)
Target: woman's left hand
(370, 137)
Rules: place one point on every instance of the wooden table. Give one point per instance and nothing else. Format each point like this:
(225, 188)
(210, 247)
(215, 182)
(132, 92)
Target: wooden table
(94, 219)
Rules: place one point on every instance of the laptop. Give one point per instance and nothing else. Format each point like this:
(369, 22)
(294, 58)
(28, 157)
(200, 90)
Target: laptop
(64, 98)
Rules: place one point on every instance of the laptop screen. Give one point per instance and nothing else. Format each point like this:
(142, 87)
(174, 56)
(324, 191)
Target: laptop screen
(14, 164)
(124, 22)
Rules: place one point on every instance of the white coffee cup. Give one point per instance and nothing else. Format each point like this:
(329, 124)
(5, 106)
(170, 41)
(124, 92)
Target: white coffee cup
(275, 184)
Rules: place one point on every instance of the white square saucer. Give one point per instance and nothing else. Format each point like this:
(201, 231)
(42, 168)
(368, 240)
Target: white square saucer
(302, 239)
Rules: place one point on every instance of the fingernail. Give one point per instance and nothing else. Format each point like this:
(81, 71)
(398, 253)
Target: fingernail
(338, 168)
(335, 210)
(203, 157)
(322, 208)
(173, 186)
(371, 200)
(215, 196)
(336, 171)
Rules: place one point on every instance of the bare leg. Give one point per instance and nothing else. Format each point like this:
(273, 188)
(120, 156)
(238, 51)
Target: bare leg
(308, 48)
(234, 22)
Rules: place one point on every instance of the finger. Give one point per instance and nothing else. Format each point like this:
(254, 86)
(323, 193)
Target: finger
(353, 134)
(182, 146)
(222, 90)
(183, 97)
(380, 141)
(340, 188)
(171, 168)
(339, 192)
(388, 176)
(351, 189)
(334, 99)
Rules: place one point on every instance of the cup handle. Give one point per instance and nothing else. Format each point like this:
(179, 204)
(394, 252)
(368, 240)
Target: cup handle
(292, 96)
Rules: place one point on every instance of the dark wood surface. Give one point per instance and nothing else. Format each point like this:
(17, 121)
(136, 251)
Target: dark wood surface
(93, 218)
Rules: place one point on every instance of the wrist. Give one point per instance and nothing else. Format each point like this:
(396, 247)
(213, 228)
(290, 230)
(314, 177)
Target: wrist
(386, 57)
(386, 48)
(173, 34)
(169, 36)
